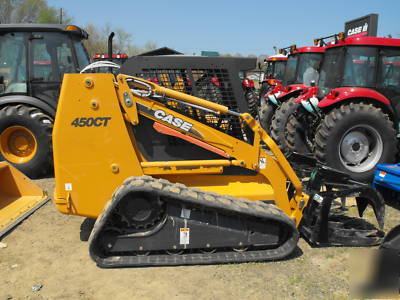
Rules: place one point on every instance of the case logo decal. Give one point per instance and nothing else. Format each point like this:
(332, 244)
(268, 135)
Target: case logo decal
(174, 121)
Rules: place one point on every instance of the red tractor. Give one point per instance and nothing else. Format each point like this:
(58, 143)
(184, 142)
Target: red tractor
(353, 123)
(302, 70)
(274, 71)
(250, 94)
(119, 58)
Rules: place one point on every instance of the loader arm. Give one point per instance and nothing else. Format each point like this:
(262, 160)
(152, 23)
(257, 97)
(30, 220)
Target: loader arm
(239, 153)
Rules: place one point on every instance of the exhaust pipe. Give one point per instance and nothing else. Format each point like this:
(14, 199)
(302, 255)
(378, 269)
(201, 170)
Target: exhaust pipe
(110, 45)
(110, 48)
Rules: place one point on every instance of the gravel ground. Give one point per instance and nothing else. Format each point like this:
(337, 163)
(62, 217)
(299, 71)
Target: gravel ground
(46, 251)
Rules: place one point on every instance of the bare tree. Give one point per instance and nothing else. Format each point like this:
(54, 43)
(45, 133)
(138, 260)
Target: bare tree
(134, 50)
(7, 10)
(122, 43)
(97, 42)
(123, 39)
(31, 11)
(28, 11)
(53, 15)
(150, 45)
(38, 11)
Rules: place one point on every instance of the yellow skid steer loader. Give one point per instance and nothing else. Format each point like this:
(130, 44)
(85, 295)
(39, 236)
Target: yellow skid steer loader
(19, 197)
(174, 179)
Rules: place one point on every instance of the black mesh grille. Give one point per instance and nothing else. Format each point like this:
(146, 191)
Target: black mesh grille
(210, 84)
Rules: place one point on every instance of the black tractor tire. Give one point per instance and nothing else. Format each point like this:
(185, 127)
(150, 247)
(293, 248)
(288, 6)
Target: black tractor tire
(295, 136)
(263, 90)
(25, 139)
(279, 123)
(210, 92)
(347, 131)
(266, 112)
(252, 102)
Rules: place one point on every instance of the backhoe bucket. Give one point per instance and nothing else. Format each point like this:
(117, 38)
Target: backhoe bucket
(19, 197)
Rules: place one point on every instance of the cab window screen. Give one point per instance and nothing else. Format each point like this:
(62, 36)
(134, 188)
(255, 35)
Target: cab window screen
(389, 71)
(290, 71)
(12, 63)
(360, 67)
(81, 54)
(52, 57)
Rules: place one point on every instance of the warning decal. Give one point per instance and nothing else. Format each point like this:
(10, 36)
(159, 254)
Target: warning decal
(184, 236)
(263, 163)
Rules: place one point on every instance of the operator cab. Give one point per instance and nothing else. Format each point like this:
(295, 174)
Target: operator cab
(34, 58)
(275, 67)
(303, 65)
(363, 62)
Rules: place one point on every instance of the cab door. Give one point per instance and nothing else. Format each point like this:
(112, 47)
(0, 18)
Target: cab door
(13, 57)
(51, 56)
(388, 79)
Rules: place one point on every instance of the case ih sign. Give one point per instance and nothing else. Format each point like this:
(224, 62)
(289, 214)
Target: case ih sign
(364, 26)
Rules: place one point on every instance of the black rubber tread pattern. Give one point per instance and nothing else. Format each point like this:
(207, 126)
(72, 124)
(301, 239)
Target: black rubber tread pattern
(279, 123)
(266, 113)
(252, 101)
(294, 141)
(263, 90)
(201, 198)
(210, 92)
(325, 135)
(41, 125)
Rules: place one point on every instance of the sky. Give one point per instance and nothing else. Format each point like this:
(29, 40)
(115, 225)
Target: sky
(245, 27)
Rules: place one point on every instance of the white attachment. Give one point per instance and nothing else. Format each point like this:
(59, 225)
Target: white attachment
(99, 64)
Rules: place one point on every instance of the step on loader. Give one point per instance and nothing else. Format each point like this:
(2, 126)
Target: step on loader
(174, 179)
(19, 197)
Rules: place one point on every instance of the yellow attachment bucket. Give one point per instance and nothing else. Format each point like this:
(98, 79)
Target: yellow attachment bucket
(19, 197)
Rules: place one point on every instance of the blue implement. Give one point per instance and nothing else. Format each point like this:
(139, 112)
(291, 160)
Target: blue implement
(387, 177)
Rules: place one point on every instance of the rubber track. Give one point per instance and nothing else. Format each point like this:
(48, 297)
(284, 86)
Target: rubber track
(204, 199)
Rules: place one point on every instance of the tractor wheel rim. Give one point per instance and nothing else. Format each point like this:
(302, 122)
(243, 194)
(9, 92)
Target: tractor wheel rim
(18, 144)
(360, 148)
